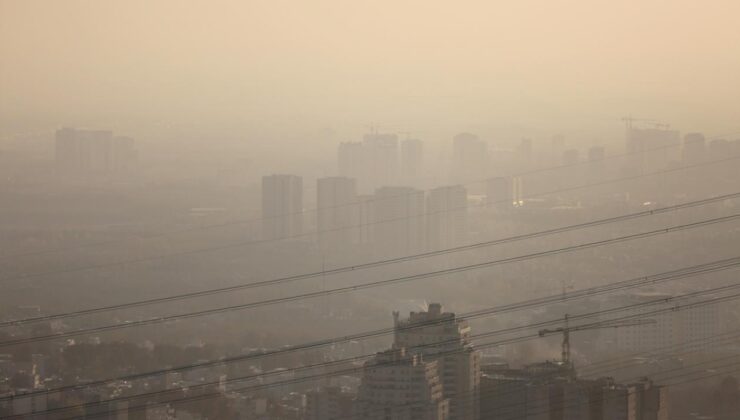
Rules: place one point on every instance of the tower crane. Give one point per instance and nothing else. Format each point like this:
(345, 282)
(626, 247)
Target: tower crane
(566, 329)
(629, 121)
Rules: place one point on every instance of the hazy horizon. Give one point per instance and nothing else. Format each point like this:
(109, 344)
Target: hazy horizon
(501, 69)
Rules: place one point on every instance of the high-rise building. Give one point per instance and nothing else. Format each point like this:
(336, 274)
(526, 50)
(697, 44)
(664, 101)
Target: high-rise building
(350, 160)
(79, 152)
(442, 337)
(336, 201)
(652, 148)
(646, 401)
(411, 160)
(381, 151)
(718, 148)
(282, 206)
(363, 217)
(596, 154)
(551, 391)
(447, 217)
(469, 158)
(399, 385)
(694, 148)
(398, 220)
(372, 162)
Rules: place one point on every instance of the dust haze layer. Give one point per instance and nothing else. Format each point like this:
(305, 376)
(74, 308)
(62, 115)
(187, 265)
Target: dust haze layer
(281, 69)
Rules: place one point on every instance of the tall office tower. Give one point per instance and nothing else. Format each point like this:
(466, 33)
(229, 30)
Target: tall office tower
(499, 193)
(654, 148)
(694, 148)
(381, 152)
(469, 158)
(93, 152)
(398, 220)
(647, 401)
(67, 153)
(350, 160)
(336, 201)
(551, 391)
(83, 151)
(401, 386)
(447, 217)
(718, 148)
(329, 403)
(363, 216)
(282, 204)
(411, 160)
(459, 362)
(372, 162)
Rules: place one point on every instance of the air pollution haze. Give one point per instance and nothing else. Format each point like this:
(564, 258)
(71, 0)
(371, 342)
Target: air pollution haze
(355, 210)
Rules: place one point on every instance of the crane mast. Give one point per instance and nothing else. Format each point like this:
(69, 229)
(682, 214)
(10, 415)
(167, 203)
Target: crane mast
(566, 330)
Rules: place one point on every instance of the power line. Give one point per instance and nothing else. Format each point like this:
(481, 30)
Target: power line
(374, 264)
(374, 284)
(342, 228)
(685, 272)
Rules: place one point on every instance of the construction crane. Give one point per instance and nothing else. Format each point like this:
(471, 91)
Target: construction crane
(629, 122)
(566, 329)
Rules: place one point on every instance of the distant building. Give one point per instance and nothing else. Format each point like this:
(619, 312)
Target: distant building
(282, 206)
(398, 220)
(447, 217)
(412, 152)
(381, 151)
(401, 386)
(551, 391)
(718, 149)
(81, 152)
(363, 217)
(694, 148)
(336, 200)
(329, 403)
(651, 148)
(647, 401)
(372, 162)
(442, 337)
(469, 158)
(350, 159)
(596, 154)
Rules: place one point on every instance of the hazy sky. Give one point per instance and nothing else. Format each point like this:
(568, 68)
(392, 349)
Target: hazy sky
(410, 64)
